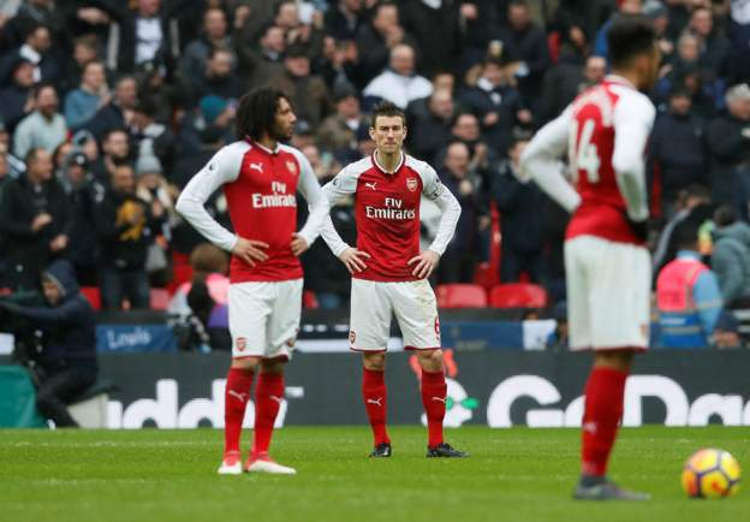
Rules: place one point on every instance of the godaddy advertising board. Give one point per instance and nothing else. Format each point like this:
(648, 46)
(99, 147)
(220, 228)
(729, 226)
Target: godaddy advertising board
(496, 388)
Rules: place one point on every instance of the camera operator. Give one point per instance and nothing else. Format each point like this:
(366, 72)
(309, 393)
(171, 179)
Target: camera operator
(68, 358)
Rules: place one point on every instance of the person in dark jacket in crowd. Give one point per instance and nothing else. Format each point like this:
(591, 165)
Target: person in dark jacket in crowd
(730, 258)
(68, 359)
(677, 151)
(496, 105)
(35, 220)
(526, 46)
(430, 132)
(459, 260)
(17, 100)
(521, 222)
(728, 140)
(124, 225)
(117, 113)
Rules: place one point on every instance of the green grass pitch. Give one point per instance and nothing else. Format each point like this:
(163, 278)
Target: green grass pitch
(513, 475)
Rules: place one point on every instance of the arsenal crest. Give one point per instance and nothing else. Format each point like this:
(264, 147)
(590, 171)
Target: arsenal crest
(411, 184)
(241, 343)
(291, 167)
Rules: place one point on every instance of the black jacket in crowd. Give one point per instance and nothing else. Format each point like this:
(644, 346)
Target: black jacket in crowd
(678, 151)
(68, 329)
(729, 149)
(27, 252)
(521, 221)
(121, 245)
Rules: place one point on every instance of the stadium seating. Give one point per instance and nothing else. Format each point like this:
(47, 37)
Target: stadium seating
(518, 295)
(461, 296)
(92, 294)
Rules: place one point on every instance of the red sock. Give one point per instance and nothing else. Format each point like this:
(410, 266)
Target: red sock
(374, 395)
(269, 393)
(604, 391)
(434, 392)
(236, 395)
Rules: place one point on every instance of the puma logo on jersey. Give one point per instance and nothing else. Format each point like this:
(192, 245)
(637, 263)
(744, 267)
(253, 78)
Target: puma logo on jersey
(257, 166)
(439, 399)
(241, 396)
(377, 402)
(371, 185)
(276, 398)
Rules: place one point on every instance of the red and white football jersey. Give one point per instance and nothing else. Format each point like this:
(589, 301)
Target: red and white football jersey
(260, 186)
(605, 131)
(387, 214)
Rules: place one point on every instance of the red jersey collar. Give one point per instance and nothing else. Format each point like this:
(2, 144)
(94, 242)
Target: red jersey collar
(380, 167)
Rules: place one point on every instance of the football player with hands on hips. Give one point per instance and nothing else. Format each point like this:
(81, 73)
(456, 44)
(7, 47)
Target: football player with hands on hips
(389, 272)
(607, 265)
(260, 177)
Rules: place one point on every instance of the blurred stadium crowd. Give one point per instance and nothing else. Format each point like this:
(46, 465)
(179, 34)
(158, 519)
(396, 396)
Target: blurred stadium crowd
(108, 107)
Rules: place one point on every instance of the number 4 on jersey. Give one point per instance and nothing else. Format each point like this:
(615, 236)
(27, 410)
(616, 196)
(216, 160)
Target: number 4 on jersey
(586, 156)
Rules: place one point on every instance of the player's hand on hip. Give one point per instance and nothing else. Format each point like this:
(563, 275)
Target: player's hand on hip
(424, 263)
(250, 250)
(299, 244)
(354, 259)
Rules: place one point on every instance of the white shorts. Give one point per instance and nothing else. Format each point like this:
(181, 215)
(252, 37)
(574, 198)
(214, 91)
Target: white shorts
(373, 303)
(264, 318)
(608, 287)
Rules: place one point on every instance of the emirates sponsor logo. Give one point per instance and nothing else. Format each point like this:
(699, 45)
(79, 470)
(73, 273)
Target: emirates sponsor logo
(279, 198)
(393, 211)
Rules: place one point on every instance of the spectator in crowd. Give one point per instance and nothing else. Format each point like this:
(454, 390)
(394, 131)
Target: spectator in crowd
(82, 191)
(218, 78)
(197, 52)
(145, 35)
(526, 47)
(465, 128)
(677, 151)
(714, 45)
(81, 104)
(153, 189)
(307, 92)
(35, 220)
(460, 257)
(399, 84)
(30, 14)
(123, 224)
(85, 50)
(343, 18)
(339, 65)
(429, 133)
(267, 62)
(151, 138)
(338, 131)
(566, 80)
(693, 202)
(68, 359)
(36, 49)
(45, 127)
(16, 167)
(497, 105)
(728, 139)
(377, 39)
(115, 151)
(17, 99)
(118, 112)
(521, 222)
(437, 31)
(687, 294)
(730, 259)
